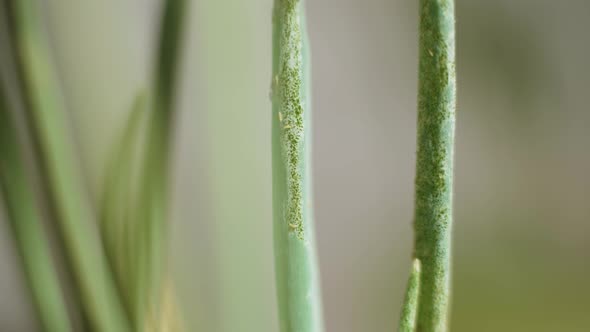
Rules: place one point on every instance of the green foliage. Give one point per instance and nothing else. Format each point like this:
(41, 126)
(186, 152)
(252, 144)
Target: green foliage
(119, 222)
(120, 277)
(135, 208)
(26, 228)
(69, 204)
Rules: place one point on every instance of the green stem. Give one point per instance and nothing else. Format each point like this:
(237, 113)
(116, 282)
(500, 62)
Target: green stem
(27, 229)
(434, 164)
(410, 306)
(295, 255)
(47, 122)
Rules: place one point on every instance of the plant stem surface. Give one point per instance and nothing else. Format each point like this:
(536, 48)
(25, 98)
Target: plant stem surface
(434, 164)
(295, 254)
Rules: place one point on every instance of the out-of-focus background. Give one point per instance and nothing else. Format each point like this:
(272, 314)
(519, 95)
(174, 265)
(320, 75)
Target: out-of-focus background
(522, 191)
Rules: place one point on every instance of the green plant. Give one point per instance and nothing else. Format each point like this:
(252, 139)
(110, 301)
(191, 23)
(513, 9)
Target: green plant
(117, 292)
(121, 279)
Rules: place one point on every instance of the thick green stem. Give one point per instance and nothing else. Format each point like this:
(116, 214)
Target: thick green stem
(434, 164)
(295, 255)
(26, 226)
(47, 122)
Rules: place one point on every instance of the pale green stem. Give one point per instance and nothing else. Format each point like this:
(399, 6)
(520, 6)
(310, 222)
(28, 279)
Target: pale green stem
(26, 226)
(47, 121)
(434, 164)
(410, 306)
(295, 254)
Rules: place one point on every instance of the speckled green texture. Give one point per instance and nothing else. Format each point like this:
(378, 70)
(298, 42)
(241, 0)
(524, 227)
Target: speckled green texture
(434, 165)
(287, 86)
(410, 306)
(295, 257)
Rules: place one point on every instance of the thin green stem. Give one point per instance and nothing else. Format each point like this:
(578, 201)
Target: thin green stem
(47, 122)
(26, 226)
(434, 164)
(410, 306)
(295, 254)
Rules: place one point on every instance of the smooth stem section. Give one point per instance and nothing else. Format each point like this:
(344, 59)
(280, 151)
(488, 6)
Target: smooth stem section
(47, 122)
(295, 257)
(154, 185)
(26, 227)
(410, 306)
(434, 164)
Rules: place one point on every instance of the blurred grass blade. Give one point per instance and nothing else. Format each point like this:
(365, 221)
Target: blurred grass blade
(118, 214)
(134, 210)
(168, 57)
(296, 262)
(26, 226)
(47, 122)
(410, 306)
(434, 162)
(154, 184)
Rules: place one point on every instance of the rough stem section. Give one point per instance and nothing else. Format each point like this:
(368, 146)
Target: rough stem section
(434, 165)
(296, 262)
(288, 84)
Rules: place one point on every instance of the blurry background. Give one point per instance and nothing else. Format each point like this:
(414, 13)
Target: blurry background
(521, 234)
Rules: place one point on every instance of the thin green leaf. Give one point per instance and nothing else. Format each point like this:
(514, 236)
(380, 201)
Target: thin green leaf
(47, 122)
(153, 199)
(118, 215)
(26, 226)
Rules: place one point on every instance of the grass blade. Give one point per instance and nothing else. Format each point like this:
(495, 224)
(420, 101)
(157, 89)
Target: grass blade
(26, 226)
(295, 256)
(154, 183)
(46, 119)
(434, 164)
(119, 222)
